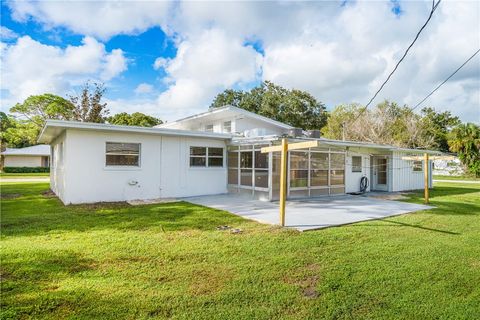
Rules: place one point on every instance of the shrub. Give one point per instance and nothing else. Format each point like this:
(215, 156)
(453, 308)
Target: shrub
(25, 169)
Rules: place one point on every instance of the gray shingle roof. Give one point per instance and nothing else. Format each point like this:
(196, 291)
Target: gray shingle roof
(38, 150)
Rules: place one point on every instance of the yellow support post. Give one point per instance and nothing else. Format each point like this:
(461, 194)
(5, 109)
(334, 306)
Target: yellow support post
(283, 180)
(426, 177)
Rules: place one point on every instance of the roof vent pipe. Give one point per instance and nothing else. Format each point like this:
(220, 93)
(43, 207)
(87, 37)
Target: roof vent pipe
(295, 132)
(313, 134)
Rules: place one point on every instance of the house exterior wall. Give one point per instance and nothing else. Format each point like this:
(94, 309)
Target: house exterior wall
(243, 124)
(352, 179)
(22, 161)
(200, 125)
(57, 166)
(178, 179)
(164, 169)
(252, 127)
(404, 178)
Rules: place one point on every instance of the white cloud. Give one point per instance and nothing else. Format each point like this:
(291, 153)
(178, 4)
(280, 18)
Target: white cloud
(114, 64)
(160, 63)
(29, 67)
(338, 53)
(102, 19)
(205, 65)
(143, 88)
(7, 34)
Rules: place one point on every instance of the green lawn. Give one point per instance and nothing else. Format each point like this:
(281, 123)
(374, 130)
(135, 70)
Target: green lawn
(469, 178)
(24, 175)
(114, 261)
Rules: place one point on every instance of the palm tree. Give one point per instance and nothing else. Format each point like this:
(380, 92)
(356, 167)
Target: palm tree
(465, 141)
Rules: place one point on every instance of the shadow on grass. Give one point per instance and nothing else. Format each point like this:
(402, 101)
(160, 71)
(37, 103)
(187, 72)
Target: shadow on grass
(32, 289)
(34, 214)
(403, 224)
(29, 285)
(450, 191)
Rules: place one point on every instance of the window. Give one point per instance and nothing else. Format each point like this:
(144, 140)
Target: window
(198, 156)
(417, 166)
(356, 164)
(227, 126)
(209, 128)
(122, 154)
(215, 157)
(206, 157)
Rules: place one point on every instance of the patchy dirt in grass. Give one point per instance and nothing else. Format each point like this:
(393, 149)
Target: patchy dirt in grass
(206, 282)
(103, 205)
(391, 196)
(10, 196)
(306, 280)
(49, 194)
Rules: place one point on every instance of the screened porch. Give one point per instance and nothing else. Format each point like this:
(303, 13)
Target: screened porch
(313, 172)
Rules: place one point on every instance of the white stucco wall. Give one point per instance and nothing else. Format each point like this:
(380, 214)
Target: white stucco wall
(57, 166)
(22, 161)
(248, 126)
(352, 179)
(178, 179)
(164, 168)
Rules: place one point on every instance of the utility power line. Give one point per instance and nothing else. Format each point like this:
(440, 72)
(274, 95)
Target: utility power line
(448, 78)
(434, 7)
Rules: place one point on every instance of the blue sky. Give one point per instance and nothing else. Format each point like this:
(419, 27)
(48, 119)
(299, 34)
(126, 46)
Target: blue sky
(171, 59)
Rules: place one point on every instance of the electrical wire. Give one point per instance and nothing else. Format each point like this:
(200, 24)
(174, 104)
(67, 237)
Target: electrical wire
(448, 78)
(434, 7)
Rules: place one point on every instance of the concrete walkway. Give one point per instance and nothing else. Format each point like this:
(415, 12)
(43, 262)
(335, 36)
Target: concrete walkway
(312, 213)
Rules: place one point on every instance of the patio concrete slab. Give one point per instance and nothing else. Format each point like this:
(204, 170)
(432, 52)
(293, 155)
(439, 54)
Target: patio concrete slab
(310, 214)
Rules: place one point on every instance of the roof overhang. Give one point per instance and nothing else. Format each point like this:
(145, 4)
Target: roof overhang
(335, 143)
(53, 128)
(224, 112)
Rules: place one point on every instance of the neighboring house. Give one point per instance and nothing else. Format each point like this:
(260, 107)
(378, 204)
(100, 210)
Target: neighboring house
(212, 153)
(34, 156)
(448, 167)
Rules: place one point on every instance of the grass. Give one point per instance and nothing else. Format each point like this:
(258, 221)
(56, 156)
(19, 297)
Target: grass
(24, 175)
(114, 261)
(467, 178)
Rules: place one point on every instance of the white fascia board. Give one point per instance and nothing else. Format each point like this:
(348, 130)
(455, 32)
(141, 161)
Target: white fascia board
(337, 143)
(51, 125)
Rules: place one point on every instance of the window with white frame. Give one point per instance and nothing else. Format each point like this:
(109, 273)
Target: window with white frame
(417, 166)
(227, 126)
(122, 154)
(215, 157)
(206, 157)
(356, 164)
(209, 128)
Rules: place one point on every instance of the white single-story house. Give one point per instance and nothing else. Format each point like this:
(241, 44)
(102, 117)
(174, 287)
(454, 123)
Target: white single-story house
(214, 152)
(34, 156)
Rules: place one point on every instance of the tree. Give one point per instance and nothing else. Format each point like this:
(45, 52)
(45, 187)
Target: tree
(386, 123)
(88, 106)
(134, 119)
(465, 141)
(294, 107)
(42, 107)
(17, 133)
(438, 125)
